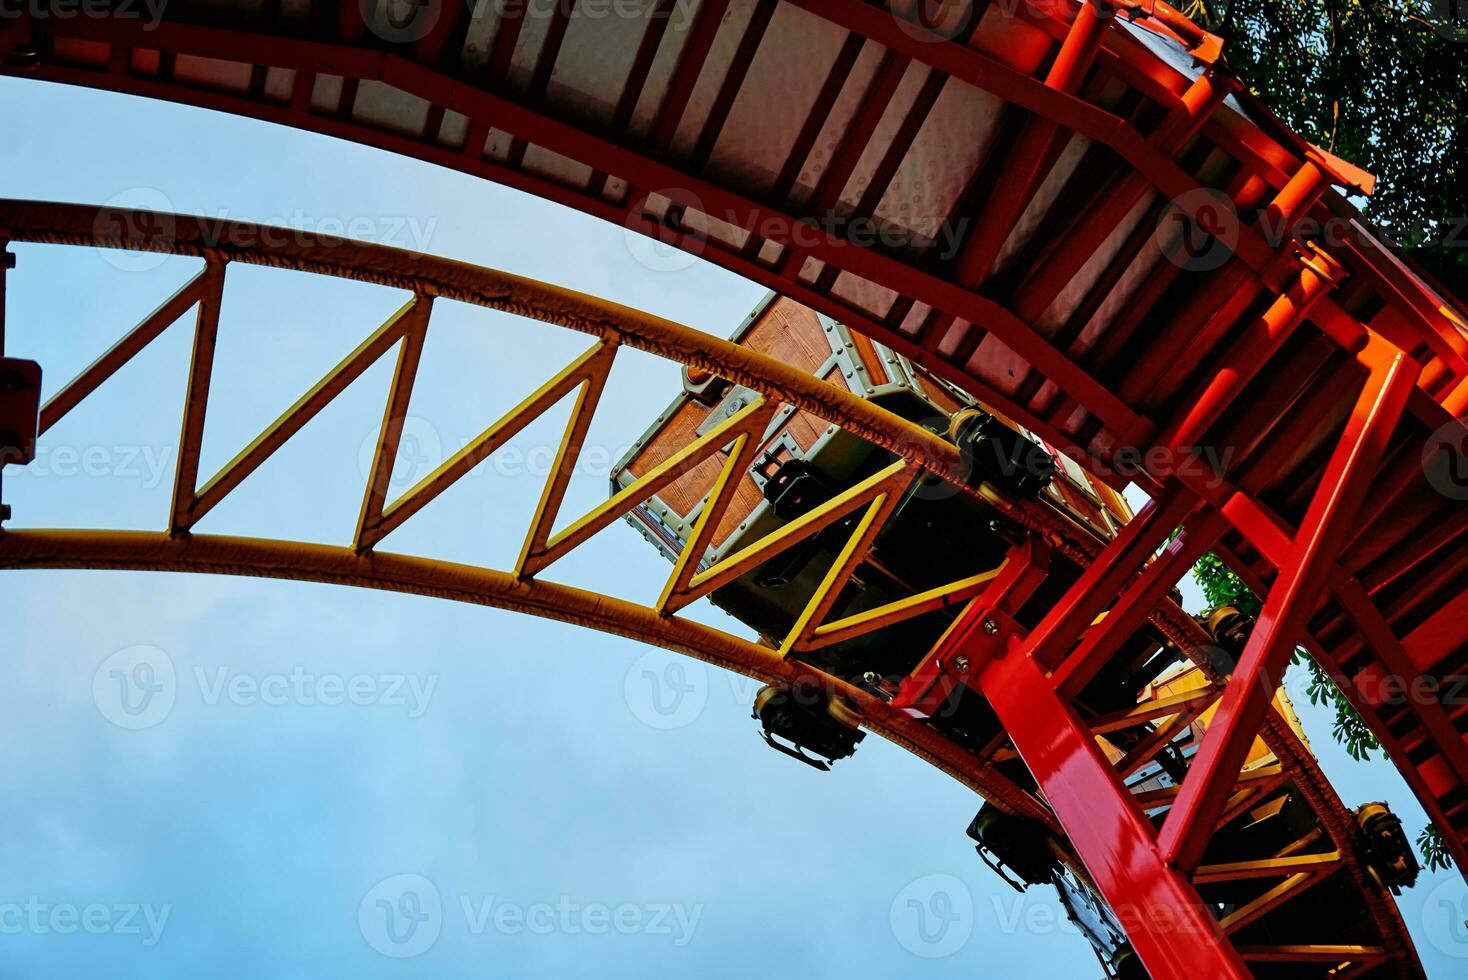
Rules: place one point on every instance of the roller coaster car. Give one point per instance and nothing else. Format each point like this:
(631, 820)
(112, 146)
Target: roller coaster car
(1004, 840)
(935, 536)
(1025, 847)
(1230, 629)
(795, 721)
(1387, 846)
(20, 405)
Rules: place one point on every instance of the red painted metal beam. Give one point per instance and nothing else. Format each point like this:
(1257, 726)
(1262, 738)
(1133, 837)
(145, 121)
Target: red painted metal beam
(545, 65)
(647, 50)
(1024, 163)
(729, 88)
(810, 130)
(930, 684)
(1045, 283)
(1102, 580)
(1129, 614)
(691, 58)
(993, 76)
(1288, 606)
(848, 152)
(1379, 637)
(444, 38)
(1251, 350)
(507, 36)
(1174, 933)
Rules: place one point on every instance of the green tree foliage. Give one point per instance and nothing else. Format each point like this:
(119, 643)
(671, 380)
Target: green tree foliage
(1380, 83)
(1434, 856)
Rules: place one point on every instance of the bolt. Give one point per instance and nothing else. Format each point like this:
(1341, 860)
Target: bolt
(961, 662)
(991, 627)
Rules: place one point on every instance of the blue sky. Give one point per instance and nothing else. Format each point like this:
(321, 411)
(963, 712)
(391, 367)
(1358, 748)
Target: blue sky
(508, 784)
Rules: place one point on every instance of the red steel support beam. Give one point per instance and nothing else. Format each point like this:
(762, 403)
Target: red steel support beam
(1290, 602)
(1171, 929)
(1130, 613)
(445, 36)
(695, 51)
(506, 37)
(1104, 578)
(1204, 96)
(1377, 633)
(1023, 168)
(940, 672)
(733, 82)
(849, 150)
(1252, 350)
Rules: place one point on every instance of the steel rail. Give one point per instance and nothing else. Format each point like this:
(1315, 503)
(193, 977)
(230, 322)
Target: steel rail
(222, 242)
(263, 558)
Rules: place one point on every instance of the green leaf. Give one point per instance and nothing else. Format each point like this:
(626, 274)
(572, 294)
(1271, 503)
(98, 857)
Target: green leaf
(1434, 855)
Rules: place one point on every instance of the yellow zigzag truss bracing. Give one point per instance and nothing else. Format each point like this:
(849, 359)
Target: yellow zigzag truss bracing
(1333, 848)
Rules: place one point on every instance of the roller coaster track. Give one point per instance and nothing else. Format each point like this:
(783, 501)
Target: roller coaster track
(1334, 847)
(1144, 262)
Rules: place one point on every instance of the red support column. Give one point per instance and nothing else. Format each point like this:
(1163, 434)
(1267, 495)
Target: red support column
(1290, 602)
(952, 660)
(1130, 612)
(1174, 933)
(1104, 578)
